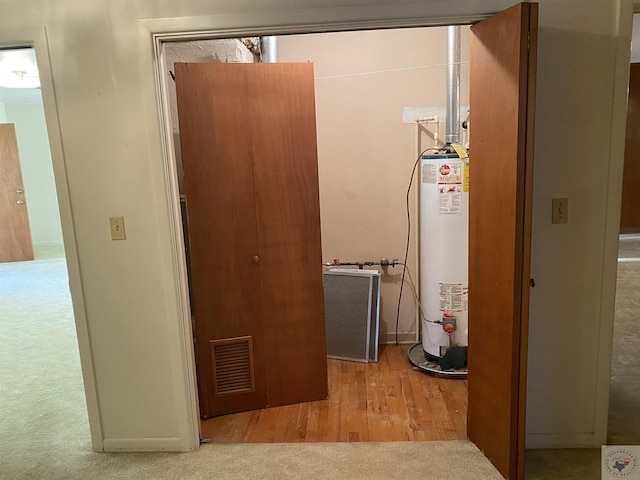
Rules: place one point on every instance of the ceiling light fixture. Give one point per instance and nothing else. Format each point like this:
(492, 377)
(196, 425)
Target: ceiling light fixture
(18, 68)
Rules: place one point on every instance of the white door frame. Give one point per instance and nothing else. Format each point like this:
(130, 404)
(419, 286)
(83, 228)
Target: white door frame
(201, 28)
(36, 37)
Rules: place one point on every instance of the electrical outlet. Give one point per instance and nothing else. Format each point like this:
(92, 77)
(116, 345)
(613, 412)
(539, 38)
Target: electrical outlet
(560, 210)
(116, 224)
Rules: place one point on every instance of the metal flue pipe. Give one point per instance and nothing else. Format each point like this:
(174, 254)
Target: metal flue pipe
(270, 49)
(453, 85)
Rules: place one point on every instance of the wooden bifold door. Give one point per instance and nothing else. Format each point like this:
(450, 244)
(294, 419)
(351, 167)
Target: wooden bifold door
(502, 99)
(248, 139)
(629, 212)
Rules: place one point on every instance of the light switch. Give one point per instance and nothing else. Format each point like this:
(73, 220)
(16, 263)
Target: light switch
(116, 224)
(560, 210)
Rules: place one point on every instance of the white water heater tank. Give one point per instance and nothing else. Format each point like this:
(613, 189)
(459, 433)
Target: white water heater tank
(444, 226)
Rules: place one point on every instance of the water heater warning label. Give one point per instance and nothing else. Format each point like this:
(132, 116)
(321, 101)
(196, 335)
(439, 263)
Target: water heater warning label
(450, 188)
(453, 297)
(465, 184)
(451, 288)
(450, 199)
(429, 173)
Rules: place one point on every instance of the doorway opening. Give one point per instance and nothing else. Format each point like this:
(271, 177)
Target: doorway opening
(369, 85)
(624, 397)
(501, 40)
(39, 354)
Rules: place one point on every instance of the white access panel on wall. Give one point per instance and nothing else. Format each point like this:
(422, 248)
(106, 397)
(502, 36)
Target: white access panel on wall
(352, 314)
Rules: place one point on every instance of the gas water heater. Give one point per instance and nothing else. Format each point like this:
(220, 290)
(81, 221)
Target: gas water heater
(444, 225)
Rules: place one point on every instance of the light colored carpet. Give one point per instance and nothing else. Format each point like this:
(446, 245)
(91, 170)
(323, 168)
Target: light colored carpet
(43, 420)
(44, 432)
(563, 464)
(321, 461)
(42, 406)
(624, 399)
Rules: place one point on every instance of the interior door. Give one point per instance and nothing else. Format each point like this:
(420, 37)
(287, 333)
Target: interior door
(502, 96)
(630, 213)
(15, 233)
(283, 136)
(225, 285)
(249, 155)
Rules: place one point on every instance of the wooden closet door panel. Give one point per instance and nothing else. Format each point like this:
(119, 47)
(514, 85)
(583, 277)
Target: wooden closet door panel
(283, 136)
(15, 232)
(630, 213)
(502, 98)
(218, 180)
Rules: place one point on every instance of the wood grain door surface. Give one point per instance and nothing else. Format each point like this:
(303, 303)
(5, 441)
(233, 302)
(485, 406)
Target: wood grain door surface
(250, 173)
(630, 212)
(502, 109)
(15, 233)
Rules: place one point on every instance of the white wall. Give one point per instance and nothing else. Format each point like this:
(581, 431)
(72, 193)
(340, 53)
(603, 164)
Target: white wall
(37, 171)
(365, 152)
(101, 60)
(571, 315)
(3, 115)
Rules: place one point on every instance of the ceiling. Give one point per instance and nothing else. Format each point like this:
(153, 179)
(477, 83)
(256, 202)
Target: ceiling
(19, 65)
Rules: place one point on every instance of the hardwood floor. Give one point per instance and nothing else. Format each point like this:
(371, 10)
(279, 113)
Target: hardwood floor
(384, 401)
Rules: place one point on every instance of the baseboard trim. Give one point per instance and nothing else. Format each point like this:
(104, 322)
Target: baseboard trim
(166, 444)
(552, 440)
(389, 338)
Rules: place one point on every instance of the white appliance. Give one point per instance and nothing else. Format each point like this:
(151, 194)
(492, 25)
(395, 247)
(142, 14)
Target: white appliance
(444, 225)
